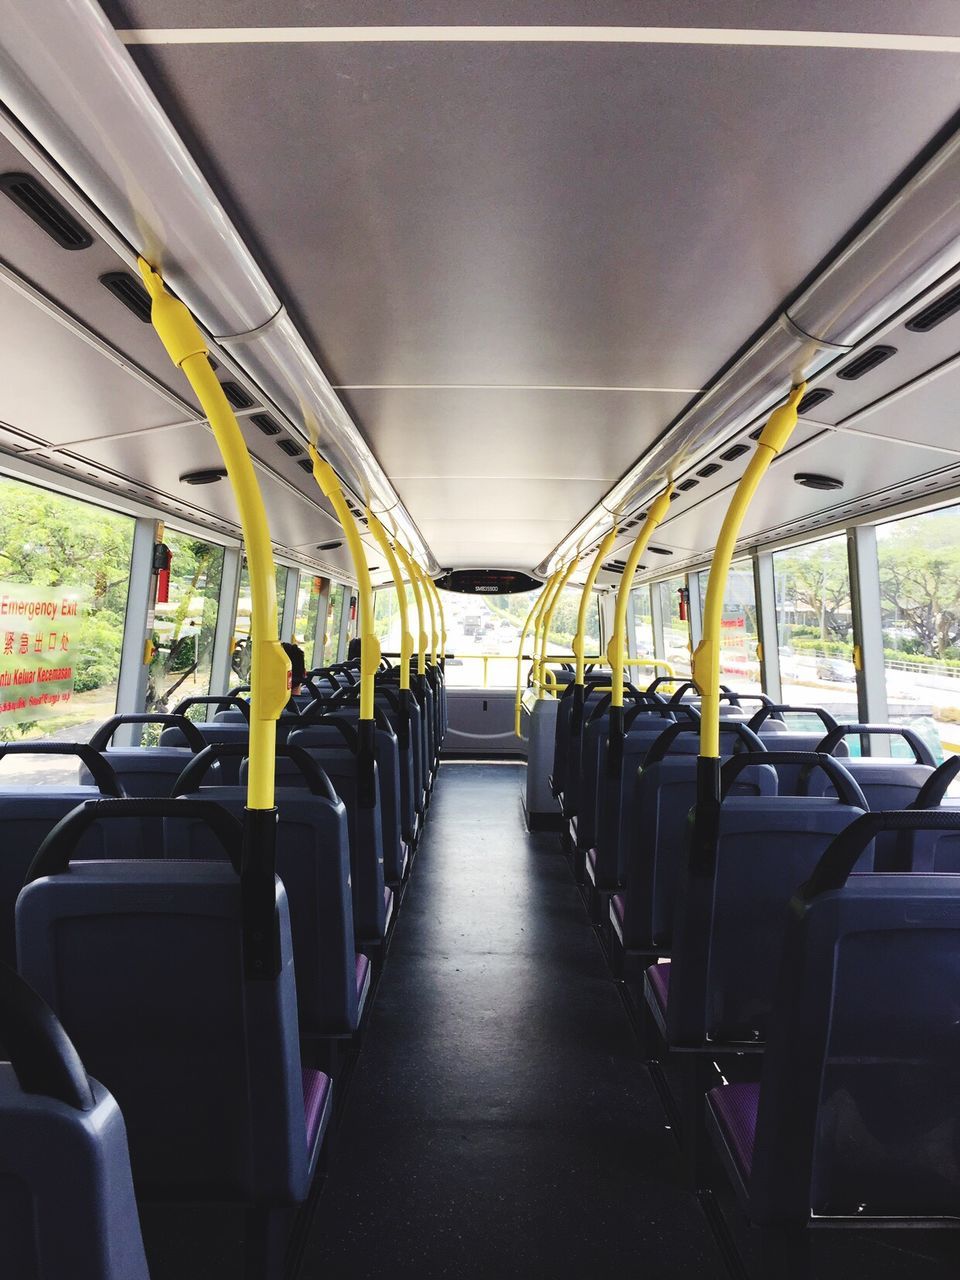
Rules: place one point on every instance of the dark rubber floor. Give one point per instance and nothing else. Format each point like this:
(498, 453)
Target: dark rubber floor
(500, 1122)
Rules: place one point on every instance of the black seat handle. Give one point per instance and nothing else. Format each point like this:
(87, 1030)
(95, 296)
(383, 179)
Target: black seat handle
(346, 730)
(196, 769)
(100, 739)
(631, 691)
(726, 694)
(935, 788)
(846, 786)
(841, 855)
(653, 707)
(237, 689)
(662, 746)
(775, 711)
(40, 1051)
(53, 856)
(222, 702)
(921, 752)
(104, 777)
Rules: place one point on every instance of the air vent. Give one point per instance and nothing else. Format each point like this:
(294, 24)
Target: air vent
(813, 398)
(616, 566)
(757, 432)
(306, 464)
(864, 362)
(710, 469)
(686, 485)
(265, 423)
(236, 395)
(737, 451)
(128, 290)
(289, 448)
(936, 312)
(660, 551)
(45, 210)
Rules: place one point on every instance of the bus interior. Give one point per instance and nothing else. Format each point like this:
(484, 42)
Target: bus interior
(480, 608)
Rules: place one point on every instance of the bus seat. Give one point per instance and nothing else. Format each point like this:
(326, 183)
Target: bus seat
(806, 735)
(67, 1207)
(855, 1115)
(731, 905)
(313, 861)
(146, 963)
(372, 897)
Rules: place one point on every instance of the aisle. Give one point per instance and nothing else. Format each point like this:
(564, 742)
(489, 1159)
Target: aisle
(500, 1123)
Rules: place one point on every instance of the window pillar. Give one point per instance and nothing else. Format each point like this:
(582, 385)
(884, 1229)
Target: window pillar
(137, 620)
(765, 594)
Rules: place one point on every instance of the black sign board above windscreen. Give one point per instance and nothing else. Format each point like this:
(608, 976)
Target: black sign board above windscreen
(487, 582)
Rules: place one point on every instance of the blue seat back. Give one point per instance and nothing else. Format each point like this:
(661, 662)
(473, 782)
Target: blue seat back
(67, 1207)
(858, 1101)
(143, 963)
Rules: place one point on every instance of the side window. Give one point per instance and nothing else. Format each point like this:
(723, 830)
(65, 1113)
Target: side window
(185, 624)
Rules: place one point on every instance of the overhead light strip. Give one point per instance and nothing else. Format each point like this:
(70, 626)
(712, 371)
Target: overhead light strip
(726, 36)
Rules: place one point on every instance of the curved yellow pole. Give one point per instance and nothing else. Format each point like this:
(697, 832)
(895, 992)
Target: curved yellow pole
(326, 478)
(422, 639)
(406, 639)
(270, 667)
(706, 659)
(580, 638)
(523, 637)
(548, 613)
(616, 650)
(428, 596)
(443, 625)
(544, 601)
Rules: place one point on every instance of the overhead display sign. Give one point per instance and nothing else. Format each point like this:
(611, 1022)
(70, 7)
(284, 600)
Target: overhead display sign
(487, 582)
(39, 645)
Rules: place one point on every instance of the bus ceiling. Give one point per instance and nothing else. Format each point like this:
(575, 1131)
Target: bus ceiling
(428, 254)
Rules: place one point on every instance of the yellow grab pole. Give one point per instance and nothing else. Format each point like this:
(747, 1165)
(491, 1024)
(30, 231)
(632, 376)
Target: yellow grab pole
(428, 596)
(422, 638)
(548, 613)
(406, 639)
(523, 637)
(326, 478)
(270, 667)
(616, 650)
(537, 620)
(579, 640)
(432, 586)
(706, 659)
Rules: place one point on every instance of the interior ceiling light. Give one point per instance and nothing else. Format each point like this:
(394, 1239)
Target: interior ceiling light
(209, 475)
(811, 480)
(328, 546)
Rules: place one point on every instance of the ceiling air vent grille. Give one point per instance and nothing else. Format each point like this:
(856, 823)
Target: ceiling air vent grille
(686, 485)
(813, 398)
(128, 290)
(289, 448)
(737, 451)
(864, 362)
(306, 464)
(236, 395)
(710, 469)
(45, 210)
(265, 423)
(936, 312)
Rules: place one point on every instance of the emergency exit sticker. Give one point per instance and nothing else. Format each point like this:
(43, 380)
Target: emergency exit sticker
(39, 645)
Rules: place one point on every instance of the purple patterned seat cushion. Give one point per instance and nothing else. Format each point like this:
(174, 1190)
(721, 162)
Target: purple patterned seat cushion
(658, 976)
(619, 903)
(592, 858)
(363, 967)
(316, 1087)
(735, 1107)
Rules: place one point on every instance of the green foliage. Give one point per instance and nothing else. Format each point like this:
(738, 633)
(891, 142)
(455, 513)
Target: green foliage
(920, 579)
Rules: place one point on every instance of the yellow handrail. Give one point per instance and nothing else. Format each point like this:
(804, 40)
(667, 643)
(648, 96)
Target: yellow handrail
(523, 636)
(270, 667)
(706, 658)
(428, 596)
(579, 639)
(616, 651)
(542, 606)
(326, 478)
(551, 610)
(406, 639)
(422, 641)
(443, 625)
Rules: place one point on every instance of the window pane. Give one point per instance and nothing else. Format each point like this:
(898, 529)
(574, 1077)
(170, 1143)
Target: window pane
(240, 655)
(308, 606)
(58, 554)
(184, 625)
(491, 626)
(331, 634)
(814, 627)
(676, 632)
(739, 664)
(919, 560)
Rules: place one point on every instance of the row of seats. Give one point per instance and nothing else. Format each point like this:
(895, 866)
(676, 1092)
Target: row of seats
(211, 997)
(801, 929)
